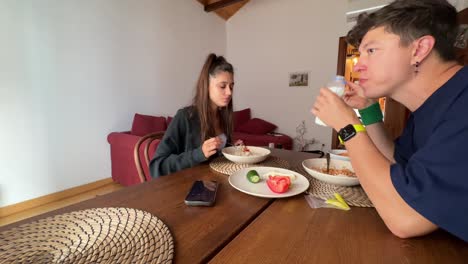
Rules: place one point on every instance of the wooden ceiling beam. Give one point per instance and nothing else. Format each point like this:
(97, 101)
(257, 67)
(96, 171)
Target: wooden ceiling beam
(220, 4)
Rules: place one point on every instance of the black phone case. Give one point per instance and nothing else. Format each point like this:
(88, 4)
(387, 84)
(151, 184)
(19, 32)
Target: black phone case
(202, 193)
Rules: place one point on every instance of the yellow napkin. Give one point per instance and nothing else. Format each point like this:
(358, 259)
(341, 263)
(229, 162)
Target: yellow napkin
(338, 202)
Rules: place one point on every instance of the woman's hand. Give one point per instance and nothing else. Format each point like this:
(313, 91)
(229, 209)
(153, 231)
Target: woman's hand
(333, 111)
(211, 146)
(354, 97)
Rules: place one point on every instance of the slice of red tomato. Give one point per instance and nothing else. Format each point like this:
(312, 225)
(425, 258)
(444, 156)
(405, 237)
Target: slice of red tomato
(279, 184)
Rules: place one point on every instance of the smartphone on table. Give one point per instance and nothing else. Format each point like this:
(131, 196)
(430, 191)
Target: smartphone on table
(202, 193)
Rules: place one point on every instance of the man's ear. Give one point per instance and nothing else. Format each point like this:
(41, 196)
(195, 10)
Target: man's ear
(422, 47)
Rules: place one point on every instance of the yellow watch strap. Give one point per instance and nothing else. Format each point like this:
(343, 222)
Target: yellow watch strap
(358, 128)
(341, 141)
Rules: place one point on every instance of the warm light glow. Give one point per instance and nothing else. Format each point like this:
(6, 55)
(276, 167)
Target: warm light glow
(355, 60)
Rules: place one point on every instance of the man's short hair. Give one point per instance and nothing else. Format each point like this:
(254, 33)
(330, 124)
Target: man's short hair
(412, 19)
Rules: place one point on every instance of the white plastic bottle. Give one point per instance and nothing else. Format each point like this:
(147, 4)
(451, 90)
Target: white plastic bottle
(337, 85)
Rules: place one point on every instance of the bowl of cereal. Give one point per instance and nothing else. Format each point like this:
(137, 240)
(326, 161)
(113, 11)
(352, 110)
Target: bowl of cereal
(246, 154)
(341, 172)
(340, 154)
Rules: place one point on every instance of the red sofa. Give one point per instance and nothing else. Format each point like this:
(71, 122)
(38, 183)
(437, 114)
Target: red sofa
(258, 132)
(254, 132)
(122, 145)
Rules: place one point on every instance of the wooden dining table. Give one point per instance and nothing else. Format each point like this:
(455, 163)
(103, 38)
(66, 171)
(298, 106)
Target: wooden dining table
(242, 228)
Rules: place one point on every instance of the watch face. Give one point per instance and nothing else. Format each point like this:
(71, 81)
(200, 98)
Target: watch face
(347, 132)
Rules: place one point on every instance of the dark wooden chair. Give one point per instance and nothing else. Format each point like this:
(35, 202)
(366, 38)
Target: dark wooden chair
(140, 158)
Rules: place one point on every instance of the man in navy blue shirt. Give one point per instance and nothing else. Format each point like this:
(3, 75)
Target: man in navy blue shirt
(419, 182)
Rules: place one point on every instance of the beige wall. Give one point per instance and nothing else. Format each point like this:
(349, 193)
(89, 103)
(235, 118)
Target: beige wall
(72, 71)
(266, 40)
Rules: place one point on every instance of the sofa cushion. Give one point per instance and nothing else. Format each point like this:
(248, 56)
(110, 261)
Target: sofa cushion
(145, 124)
(257, 126)
(241, 117)
(263, 140)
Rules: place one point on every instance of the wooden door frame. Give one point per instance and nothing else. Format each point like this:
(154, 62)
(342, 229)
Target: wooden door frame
(462, 54)
(340, 70)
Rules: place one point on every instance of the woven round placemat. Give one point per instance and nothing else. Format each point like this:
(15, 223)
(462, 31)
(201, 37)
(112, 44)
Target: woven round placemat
(354, 195)
(100, 235)
(225, 166)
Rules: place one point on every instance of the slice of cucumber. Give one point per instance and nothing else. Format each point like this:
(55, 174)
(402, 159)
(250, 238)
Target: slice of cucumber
(253, 176)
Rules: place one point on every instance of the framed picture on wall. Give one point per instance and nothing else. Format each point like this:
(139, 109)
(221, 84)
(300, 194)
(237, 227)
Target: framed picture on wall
(298, 79)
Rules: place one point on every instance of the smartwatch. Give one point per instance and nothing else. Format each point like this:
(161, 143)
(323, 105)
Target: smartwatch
(349, 131)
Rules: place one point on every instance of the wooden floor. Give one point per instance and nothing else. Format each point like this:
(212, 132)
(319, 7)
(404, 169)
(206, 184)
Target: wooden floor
(61, 203)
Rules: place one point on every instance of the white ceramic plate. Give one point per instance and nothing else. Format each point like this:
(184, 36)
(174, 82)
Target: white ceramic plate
(258, 154)
(239, 181)
(333, 179)
(335, 154)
